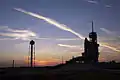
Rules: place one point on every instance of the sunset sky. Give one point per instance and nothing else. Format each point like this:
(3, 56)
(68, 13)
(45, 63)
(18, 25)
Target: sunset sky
(58, 28)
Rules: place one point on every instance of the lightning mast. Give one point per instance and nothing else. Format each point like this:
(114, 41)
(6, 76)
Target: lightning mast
(92, 27)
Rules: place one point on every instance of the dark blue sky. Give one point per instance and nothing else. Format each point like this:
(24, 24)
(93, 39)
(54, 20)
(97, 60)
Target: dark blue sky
(76, 14)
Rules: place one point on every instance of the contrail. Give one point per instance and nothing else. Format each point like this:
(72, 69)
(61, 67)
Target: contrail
(110, 47)
(51, 21)
(58, 25)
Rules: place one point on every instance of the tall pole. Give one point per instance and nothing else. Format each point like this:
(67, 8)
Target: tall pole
(32, 44)
(92, 27)
(34, 55)
(31, 55)
(13, 64)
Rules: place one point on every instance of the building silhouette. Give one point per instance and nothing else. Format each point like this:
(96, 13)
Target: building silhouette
(91, 52)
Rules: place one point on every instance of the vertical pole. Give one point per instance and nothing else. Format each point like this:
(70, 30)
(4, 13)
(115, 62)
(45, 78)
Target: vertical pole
(31, 55)
(62, 59)
(92, 27)
(13, 64)
(34, 55)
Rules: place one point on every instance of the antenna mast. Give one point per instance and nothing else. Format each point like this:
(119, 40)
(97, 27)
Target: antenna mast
(92, 27)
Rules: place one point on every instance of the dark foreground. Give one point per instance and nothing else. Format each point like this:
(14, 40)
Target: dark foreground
(65, 72)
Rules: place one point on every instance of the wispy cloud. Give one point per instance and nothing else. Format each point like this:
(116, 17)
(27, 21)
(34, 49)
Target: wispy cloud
(69, 46)
(68, 39)
(14, 34)
(106, 31)
(96, 2)
(113, 33)
(7, 38)
(92, 1)
(60, 39)
(51, 21)
(108, 6)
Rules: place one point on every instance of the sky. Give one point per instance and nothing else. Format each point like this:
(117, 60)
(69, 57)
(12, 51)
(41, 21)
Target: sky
(58, 28)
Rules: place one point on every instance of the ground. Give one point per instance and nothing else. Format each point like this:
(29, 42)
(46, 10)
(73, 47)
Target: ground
(63, 72)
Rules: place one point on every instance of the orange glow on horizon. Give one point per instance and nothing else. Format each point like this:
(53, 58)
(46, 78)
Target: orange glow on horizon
(43, 62)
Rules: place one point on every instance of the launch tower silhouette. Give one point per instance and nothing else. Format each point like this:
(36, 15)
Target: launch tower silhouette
(91, 51)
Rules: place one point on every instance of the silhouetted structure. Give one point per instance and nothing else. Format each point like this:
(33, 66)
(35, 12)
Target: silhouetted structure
(91, 53)
(62, 59)
(13, 63)
(32, 43)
